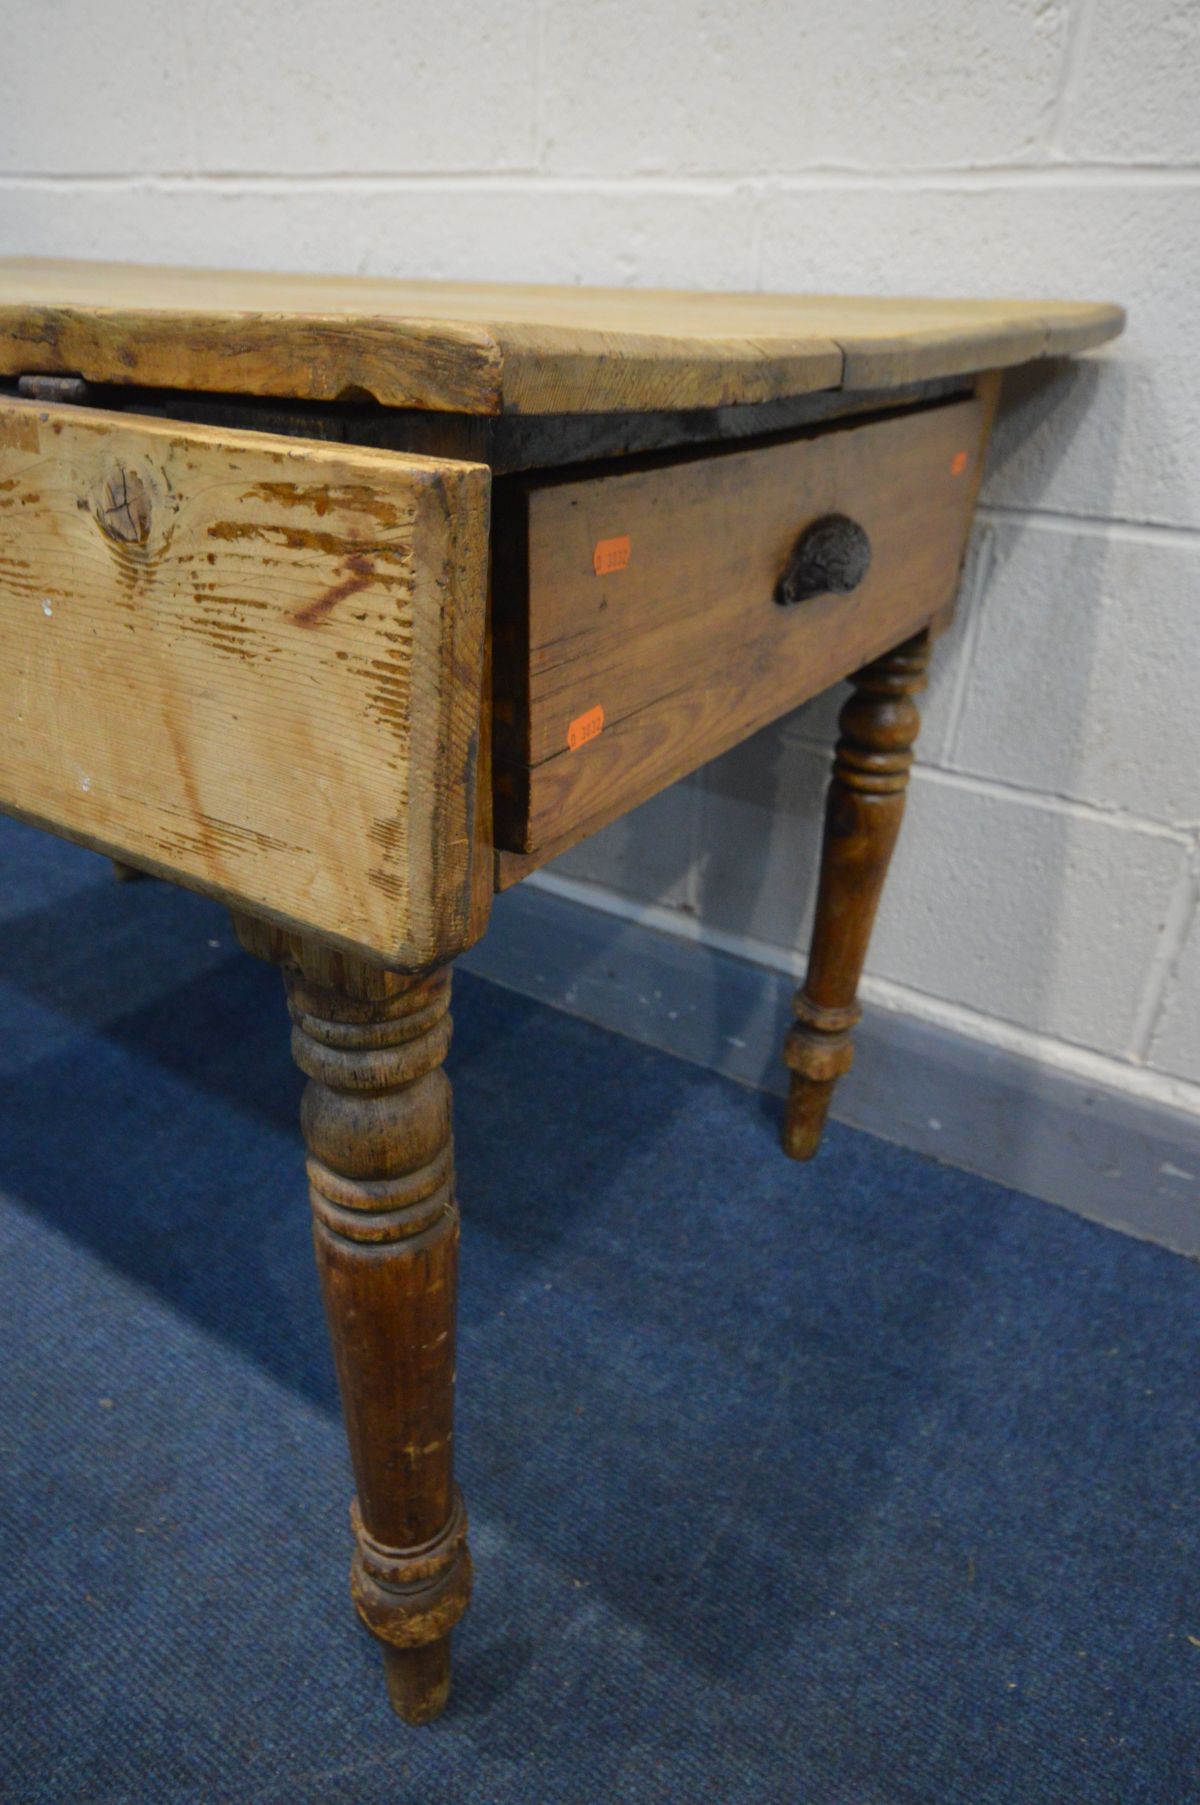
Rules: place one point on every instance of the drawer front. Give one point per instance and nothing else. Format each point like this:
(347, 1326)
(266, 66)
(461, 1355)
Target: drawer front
(637, 627)
(251, 663)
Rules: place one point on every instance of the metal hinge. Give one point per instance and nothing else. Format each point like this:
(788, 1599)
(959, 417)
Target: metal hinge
(54, 388)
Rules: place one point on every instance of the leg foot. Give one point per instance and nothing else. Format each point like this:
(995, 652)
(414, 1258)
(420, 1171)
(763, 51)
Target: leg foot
(804, 1118)
(862, 821)
(418, 1680)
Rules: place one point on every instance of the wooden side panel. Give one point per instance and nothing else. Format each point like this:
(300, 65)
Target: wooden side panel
(652, 640)
(250, 663)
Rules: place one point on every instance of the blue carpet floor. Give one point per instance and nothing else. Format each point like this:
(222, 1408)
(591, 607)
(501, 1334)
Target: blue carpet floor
(861, 1483)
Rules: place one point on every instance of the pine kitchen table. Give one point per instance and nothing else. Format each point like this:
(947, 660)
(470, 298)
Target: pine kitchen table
(350, 602)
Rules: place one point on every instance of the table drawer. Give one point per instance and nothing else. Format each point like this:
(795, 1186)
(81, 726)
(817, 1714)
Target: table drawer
(251, 663)
(639, 628)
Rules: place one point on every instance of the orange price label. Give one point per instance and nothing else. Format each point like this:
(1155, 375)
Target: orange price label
(610, 555)
(958, 463)
(585, 727)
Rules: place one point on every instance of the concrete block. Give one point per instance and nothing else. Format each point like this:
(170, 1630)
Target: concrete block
(1084, 675)
(1034, 915)
(689, 86)
(518, 233)
(1175, 1043)
(1134, 96)
(84, 94)
(371, 86)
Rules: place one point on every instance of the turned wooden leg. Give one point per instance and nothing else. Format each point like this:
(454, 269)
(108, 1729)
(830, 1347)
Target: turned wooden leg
(376, 1117)
(863, 811)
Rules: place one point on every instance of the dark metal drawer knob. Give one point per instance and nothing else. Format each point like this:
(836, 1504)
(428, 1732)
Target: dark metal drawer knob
(831, 557)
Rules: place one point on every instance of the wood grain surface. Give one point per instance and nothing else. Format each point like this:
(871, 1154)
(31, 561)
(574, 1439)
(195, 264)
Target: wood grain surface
(615, 675)
(251, 664)
(490, 348)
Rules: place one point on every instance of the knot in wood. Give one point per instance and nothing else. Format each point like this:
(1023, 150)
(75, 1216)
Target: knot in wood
(123, 508)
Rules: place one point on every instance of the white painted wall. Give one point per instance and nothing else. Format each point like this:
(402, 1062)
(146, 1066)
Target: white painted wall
(1047, 883)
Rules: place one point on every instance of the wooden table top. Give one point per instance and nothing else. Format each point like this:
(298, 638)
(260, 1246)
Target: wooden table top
(492, 348)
